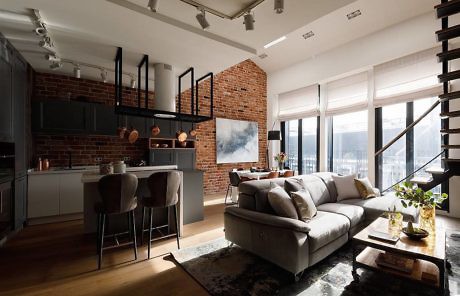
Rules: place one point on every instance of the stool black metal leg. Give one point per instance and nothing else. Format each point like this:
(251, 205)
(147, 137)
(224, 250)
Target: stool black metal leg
(176, 220)
(150, 232)
(98, 230)
(130, 228)
(133, 221)
(101, 240)
(226, 194)
(142, 229)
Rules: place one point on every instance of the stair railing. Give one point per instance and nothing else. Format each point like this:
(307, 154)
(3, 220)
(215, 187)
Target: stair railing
(414, 172)
(407, 129)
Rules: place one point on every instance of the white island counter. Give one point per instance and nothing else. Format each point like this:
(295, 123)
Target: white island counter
(91, 197)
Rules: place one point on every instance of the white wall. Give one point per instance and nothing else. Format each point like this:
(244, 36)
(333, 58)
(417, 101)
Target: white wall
(393, 42)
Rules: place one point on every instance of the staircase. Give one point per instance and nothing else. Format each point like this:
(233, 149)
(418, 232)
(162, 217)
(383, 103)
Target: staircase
(450, 166)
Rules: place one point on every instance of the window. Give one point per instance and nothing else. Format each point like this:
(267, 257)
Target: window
(292, 143)
(393, 164)
(309, 145)
(301, 151)
(427, 139)
(348, 150)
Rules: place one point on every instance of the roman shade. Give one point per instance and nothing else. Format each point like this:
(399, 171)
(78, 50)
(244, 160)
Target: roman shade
(300, 103)
(408, 78)
(347, 94)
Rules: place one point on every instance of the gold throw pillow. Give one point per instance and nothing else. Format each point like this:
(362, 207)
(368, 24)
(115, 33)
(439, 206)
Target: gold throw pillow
(365, 188)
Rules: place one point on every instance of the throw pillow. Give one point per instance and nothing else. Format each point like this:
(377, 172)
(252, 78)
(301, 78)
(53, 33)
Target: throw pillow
(281, 203)
(304, 205)
(346, 188)
(292, 185)
(365, 188)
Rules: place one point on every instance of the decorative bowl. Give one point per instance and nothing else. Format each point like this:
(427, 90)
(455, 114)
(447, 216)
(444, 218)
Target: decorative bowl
(418, 235)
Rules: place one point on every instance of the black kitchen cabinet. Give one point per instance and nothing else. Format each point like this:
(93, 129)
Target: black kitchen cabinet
(162, 157)
(167, 128)
(5, 208)
(20, 204)
(185, 159)
(104, 120)
(20, 95)
(6, 97)
(70, 117)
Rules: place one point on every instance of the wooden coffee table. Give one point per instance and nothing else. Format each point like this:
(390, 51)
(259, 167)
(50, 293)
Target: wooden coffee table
(429, 254)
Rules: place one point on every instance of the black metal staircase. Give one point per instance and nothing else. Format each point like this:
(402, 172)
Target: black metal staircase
(450, 166)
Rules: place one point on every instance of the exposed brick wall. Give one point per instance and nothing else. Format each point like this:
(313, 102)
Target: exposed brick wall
(240, 92)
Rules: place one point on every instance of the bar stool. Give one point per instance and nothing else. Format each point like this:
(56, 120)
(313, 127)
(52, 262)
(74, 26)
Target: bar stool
(118, 197)
(235, 180)
(163, 187)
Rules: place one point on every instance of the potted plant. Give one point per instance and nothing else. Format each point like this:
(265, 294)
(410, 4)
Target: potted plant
(427, 201)
(281, 159)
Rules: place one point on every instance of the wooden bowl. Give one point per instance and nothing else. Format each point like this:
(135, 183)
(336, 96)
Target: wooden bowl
(421, 233)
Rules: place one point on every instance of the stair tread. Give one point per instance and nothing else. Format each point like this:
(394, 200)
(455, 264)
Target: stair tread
(450, 114)
(434, 170)
(421, 180)
(449, 75)
(449, 96)
(449, 33)
(449, 55)
(450, 146)
(448, 8)
(451, 131)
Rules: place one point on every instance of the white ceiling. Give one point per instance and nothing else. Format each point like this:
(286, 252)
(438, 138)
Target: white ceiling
(90, 30)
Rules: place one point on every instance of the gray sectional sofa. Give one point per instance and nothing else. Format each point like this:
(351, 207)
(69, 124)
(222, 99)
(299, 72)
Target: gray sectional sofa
(293, 244)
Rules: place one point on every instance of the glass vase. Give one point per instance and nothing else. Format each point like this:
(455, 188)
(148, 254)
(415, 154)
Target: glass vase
(427, 219)
(395, 223)
(281, 165)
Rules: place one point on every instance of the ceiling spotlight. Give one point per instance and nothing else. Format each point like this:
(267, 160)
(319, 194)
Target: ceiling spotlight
(133, 82)
(279, 6)
(77, 71)
(353, 14)
(56, 65)
(201, 18)
(47, 45)
(249, 21)
(104, 75)
(153, 5)
(41, 30)
(53, 58)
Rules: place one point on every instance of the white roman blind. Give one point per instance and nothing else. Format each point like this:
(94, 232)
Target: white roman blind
(408, 78)
(299, 103)
(347, 94)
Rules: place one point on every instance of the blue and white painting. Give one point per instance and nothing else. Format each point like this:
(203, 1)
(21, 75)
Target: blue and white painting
(236, 141)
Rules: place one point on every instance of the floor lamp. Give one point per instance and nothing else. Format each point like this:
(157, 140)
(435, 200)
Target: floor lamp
(272, 136)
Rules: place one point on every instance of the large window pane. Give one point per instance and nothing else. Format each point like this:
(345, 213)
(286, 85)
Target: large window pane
(292, 145)
(394, 158)
(427, 139)
(349, 140)
(309, 127)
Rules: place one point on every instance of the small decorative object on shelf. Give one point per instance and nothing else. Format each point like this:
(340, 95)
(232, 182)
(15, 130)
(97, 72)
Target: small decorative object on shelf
(395, 222)
(281, 159)
(46, 164)
(411, 195)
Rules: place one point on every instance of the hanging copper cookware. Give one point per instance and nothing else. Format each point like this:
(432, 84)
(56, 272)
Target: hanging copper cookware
(181, 136)
(122, 132)
(155, 130)
(133, 135)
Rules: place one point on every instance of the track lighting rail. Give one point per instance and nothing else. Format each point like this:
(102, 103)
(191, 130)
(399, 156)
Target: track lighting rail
(241, 12)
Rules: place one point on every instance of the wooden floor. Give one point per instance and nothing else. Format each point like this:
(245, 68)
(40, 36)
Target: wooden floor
(58, 259)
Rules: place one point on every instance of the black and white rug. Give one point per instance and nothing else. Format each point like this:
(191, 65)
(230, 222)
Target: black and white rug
(229, 270)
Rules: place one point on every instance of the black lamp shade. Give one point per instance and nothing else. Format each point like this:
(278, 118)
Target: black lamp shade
(274, 135)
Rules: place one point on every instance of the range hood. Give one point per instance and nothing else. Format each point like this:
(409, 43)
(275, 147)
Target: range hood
(165, 98)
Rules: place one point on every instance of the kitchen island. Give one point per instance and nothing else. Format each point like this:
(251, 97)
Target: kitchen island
(118, 223)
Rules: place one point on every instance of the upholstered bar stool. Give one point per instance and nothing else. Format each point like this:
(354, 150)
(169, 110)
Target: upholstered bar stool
(118, 194)
(235, 181)
(164, 188)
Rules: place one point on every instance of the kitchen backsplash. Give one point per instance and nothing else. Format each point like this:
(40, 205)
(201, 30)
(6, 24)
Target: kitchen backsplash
(86, 149)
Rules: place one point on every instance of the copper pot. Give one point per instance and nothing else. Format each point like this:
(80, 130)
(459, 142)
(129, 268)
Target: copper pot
(155, 130)
(122, 132)
(133, 135)
(192, 132)
(181, 136)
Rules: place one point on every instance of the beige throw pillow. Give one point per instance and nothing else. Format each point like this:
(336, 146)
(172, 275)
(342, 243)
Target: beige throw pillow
(304, 205)
(365, 188)
(293, 184)
(346, 188)
(281, 203)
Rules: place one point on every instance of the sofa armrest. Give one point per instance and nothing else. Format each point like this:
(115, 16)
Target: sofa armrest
(267, 219)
